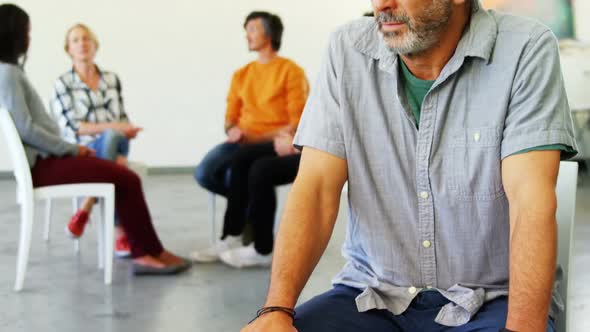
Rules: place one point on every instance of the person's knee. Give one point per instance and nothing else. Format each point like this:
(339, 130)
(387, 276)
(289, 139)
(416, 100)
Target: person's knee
(204, 176)
(132, 178)
(201, 175)
(113, 135)
(109, 143)
(124, 178)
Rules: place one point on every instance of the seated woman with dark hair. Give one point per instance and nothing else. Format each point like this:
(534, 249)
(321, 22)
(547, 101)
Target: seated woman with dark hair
(55, 161)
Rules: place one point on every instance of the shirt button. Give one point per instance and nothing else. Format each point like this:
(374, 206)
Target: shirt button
(424, 194)
(426, 244)
(412, 290)
(476, 137)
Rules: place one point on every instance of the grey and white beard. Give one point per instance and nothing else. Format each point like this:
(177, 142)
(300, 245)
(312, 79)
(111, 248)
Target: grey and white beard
(422, 32)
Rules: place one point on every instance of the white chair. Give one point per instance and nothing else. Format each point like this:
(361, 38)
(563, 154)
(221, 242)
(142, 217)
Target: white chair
(566, 208)
(27, 195)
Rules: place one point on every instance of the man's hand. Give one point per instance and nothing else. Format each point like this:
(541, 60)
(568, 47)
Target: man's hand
(271, 322)
(84, 151)
(283, 144)
(234, 134)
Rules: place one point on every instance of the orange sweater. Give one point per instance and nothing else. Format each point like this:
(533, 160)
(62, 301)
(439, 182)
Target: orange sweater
(266, 97)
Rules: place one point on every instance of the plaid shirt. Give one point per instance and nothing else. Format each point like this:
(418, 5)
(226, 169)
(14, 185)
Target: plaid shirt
(74, 102)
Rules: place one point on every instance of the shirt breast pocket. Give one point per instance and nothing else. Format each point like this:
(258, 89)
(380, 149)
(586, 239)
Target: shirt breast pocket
(476, 164)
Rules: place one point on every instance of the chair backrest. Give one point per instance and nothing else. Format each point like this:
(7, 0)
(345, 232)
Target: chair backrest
(18, 158)
(566, 207)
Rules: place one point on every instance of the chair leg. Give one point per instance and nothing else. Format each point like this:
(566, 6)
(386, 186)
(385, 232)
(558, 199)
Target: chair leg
(100, 234)
(47, 227)
(108, 215)
(212, 221)
(24, 247)
(75, 207)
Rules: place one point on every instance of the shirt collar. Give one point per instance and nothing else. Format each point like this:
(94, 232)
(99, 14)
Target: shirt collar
(78, 81)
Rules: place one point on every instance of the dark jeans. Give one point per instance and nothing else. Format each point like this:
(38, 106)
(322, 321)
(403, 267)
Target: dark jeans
(213, 171)
(255, 171)
(130, 203)
(336, 311)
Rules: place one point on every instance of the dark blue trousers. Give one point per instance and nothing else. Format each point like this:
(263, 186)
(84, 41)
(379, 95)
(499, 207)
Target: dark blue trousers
(335, 311)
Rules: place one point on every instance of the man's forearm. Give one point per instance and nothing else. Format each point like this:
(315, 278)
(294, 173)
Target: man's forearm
(305, 231)
(532, 269)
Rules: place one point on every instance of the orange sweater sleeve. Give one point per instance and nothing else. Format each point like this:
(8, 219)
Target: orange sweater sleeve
(234, 102)
(297, 91)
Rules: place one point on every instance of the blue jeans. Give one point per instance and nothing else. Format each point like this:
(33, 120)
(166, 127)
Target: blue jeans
(110, 144)
(213, 171)
(335, 311)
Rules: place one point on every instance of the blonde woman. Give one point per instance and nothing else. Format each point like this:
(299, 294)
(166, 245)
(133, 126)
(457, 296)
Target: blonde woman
(88, 105)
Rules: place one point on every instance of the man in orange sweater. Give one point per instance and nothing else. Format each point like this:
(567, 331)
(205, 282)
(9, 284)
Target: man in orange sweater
(264, 104)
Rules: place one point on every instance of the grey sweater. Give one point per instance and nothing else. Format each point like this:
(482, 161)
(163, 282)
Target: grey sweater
(39, 133)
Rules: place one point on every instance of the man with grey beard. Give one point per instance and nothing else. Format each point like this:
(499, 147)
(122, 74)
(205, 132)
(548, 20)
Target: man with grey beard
(448, 122)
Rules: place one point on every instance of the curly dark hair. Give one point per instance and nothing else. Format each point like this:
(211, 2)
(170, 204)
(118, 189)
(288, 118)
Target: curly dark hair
(14, 33)
(273, 26)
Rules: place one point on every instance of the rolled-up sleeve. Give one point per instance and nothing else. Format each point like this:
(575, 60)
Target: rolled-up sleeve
(321, 123)
(538, 112)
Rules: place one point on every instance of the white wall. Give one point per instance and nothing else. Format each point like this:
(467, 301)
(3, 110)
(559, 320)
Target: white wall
(582, 22)
(175, 59)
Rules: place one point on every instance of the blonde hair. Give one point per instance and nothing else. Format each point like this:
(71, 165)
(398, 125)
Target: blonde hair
(83, 27)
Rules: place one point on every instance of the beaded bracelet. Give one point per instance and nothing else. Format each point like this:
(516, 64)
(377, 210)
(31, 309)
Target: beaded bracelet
(267, 310)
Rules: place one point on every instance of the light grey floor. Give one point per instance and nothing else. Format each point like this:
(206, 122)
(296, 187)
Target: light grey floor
(64, 292)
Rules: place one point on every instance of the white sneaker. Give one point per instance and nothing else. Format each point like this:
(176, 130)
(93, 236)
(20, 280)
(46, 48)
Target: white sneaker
(245, 257)
(211, 254)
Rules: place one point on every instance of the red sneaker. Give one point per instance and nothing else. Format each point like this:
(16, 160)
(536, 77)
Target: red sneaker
(122, 248)
(75, 227)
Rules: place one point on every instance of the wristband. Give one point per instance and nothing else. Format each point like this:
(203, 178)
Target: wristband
(267, 310)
